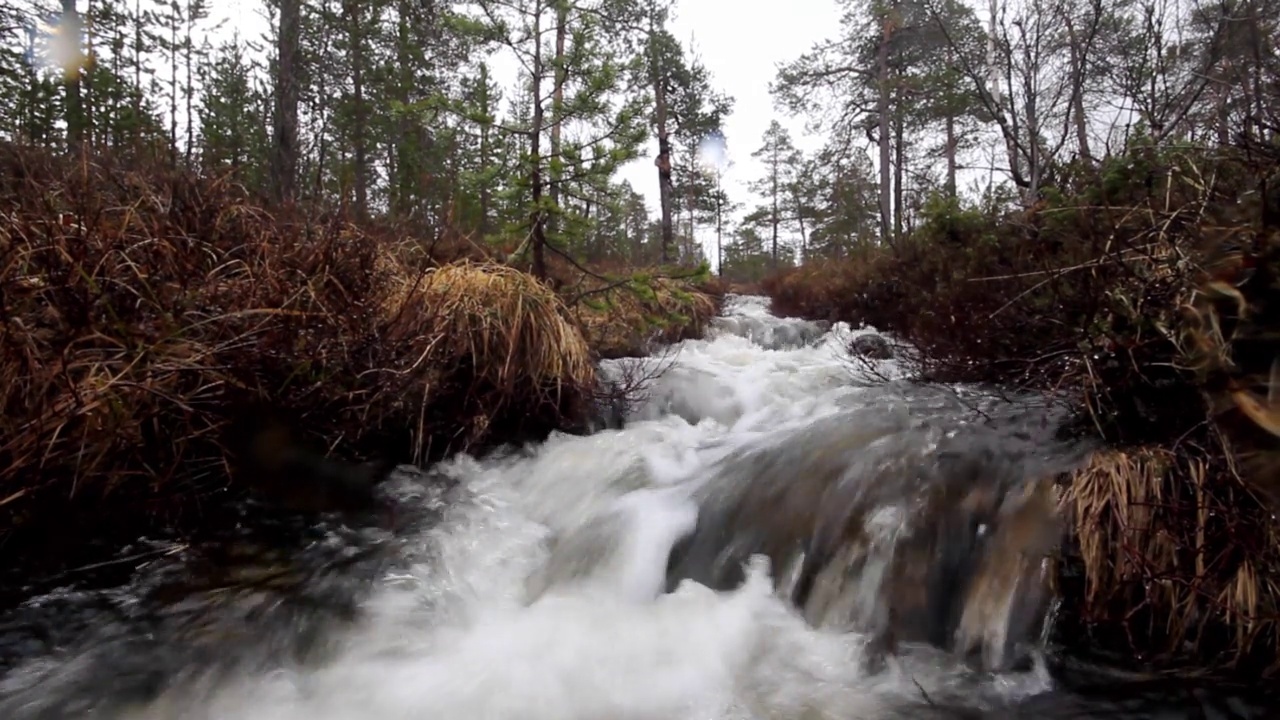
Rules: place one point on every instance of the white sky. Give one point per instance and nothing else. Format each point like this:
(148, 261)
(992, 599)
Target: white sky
(740, 41)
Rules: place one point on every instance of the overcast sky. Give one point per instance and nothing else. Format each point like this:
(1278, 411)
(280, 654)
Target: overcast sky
(742, 43)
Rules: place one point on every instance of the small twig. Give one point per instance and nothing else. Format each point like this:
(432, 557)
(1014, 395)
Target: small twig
(923, 693)
(159, 552)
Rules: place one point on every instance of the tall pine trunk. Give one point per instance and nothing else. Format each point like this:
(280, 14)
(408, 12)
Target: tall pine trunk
(284, 151)
(882, 110)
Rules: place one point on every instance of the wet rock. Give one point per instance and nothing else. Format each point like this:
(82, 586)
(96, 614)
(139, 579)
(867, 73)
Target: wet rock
(892, 527)
(871, 346)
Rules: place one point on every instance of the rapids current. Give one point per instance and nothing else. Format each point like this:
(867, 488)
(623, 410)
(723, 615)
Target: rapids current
(777, 531)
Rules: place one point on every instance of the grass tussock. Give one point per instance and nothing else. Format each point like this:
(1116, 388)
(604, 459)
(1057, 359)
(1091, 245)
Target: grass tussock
(1148, 290)
(513, 327)
(139, 310)
(507, 332)
(1186, 558)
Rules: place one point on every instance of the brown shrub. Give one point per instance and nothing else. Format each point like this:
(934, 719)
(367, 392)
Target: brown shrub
(139, 309)
(1084, 290)
(854, 290)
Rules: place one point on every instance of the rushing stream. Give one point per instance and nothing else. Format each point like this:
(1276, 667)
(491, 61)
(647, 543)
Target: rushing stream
(777, 532)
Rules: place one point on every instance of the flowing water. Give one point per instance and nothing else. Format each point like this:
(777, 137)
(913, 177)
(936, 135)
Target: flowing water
(777, 532)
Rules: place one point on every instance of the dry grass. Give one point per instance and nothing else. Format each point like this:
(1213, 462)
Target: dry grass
(512, 326)
(1182, 553)
(140, 311)
(510, 332)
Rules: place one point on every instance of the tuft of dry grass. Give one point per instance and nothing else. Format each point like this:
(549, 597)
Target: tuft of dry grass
(1179, 556)
(512, 326)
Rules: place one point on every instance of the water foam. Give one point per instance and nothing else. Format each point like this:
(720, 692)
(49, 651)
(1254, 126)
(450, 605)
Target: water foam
(538, 595)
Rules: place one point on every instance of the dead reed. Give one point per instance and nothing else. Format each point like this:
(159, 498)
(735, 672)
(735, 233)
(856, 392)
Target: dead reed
(1179, 561)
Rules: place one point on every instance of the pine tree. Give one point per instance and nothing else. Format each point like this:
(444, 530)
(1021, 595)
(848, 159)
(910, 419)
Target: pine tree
(232, 124)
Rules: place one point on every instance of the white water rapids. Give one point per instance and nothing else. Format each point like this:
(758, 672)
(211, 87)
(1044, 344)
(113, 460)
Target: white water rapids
(541, 592)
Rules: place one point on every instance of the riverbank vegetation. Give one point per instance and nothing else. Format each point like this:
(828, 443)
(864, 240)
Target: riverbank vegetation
(1126, 258)
(348, 223)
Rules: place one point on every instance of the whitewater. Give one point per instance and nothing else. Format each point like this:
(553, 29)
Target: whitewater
(538, 583)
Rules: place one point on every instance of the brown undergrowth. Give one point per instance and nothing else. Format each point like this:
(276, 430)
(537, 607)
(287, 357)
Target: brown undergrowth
(140, 311)
(1147, 291)
(1173, 544)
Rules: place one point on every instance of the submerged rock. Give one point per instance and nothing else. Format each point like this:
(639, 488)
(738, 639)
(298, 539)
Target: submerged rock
(891, 526)
(871, 346)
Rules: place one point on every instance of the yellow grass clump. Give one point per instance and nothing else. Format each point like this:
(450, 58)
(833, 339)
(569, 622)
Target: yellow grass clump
(510, 324)
(1177, 557)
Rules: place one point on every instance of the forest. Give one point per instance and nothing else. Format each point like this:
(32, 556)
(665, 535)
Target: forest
(390, 110)
(353, 217)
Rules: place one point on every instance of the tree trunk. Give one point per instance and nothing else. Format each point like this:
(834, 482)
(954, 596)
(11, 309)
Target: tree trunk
(658, 79)
(71, 79)
(404, 148)
(899, 172)
(89, 100)
(773, 192)
(882, 109)
(952, 141)
(1077, 79)
(557, 103)
(173, 85)
(719, 227)
(359, 123)
(486, 151)
(284, 156)
(189, 48)
(137, 71)
(804, 240)
(538, 221)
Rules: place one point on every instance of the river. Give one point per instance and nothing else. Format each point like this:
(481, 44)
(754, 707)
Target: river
(777, 531)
